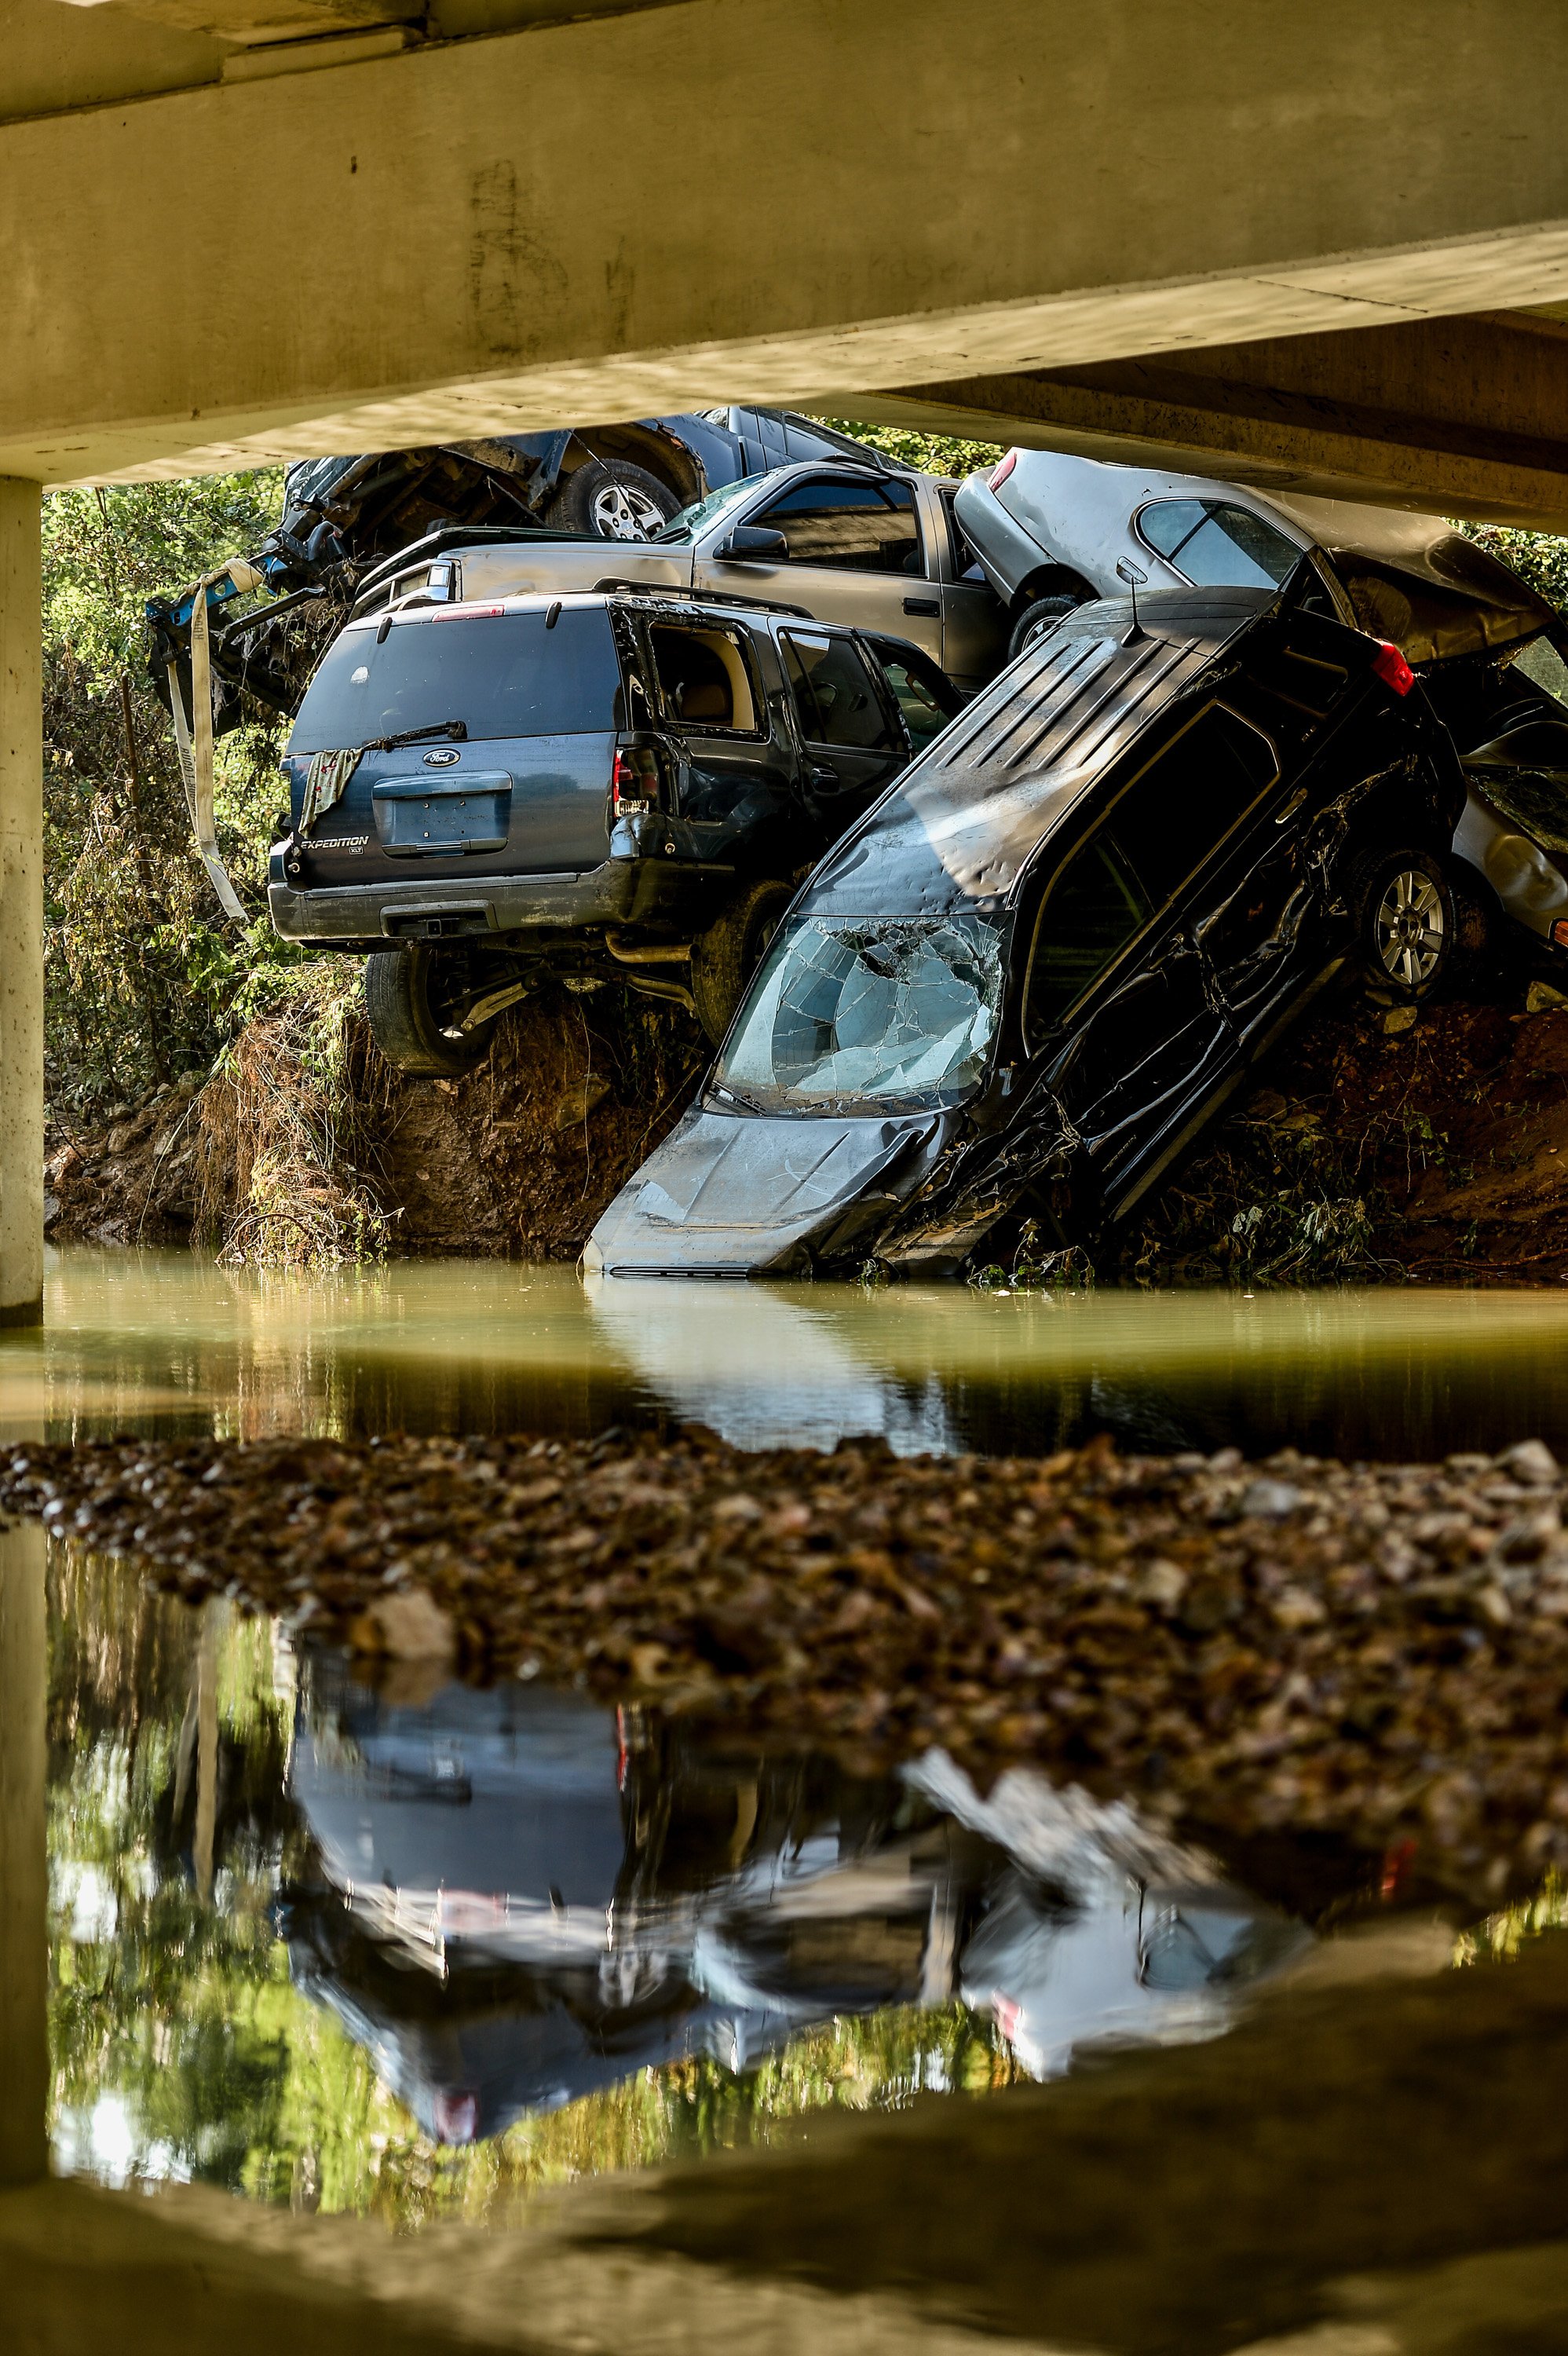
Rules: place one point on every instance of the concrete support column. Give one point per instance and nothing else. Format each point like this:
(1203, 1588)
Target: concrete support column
(21, 908)
(23, 1884)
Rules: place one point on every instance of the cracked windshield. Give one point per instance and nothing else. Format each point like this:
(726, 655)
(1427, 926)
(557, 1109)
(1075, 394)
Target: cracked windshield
(744, 1597)
(845, 1009)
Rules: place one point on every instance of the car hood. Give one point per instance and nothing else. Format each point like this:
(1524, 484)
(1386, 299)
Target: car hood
(742, 1194)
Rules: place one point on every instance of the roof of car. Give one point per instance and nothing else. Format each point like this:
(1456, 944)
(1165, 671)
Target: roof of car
(669, 601)
(1412, 578)
(962, 822)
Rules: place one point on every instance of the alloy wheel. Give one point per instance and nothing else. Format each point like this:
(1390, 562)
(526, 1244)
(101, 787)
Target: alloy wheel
(620, 512)
(1409, 927)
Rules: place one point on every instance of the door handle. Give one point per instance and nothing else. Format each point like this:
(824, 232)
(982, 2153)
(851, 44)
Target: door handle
(821, 775)
(923, 606)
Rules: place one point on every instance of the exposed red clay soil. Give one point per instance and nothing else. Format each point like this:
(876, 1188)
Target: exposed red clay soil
(1445, 1145)
(515, 1159)
(1438, 1152)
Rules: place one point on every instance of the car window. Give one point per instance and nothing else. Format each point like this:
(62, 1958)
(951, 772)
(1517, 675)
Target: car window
(501, 673)
(923, 714)
(685, 527)
(835, 696)
(863, 526)
(1168, 523)
(1217, 546)
(1159, 833)
(704, 678)
(1094, 909)
(1189, 797)
(1543, 666)
(881, 1008)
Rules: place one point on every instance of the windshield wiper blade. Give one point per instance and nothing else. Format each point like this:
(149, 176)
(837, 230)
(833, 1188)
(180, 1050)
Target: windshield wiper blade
(457, 730)
(722, 1089)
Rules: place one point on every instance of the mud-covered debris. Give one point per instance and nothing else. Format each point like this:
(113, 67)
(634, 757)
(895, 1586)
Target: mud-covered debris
(1379, 1652)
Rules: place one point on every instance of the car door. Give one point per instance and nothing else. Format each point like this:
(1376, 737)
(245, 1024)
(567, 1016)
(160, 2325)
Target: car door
(1119, 996)
(974, 622)
(850, 551)
(852, 744)
(735, 774)
(925, 696)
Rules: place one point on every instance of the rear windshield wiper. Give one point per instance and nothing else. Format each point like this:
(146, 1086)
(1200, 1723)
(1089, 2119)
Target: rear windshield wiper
(457, 730)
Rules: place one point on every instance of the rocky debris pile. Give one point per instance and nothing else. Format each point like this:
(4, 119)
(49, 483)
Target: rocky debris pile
(1377, 1653)
(132, 1176)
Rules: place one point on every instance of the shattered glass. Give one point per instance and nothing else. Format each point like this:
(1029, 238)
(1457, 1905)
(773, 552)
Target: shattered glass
(891, 1008)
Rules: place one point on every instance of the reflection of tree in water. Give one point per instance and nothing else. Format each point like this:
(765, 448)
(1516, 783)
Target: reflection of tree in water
(180, 2047)
(167, 1746)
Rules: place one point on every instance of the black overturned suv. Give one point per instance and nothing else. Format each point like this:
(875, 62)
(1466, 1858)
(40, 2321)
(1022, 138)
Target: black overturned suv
(624, 785)
(1023, 984)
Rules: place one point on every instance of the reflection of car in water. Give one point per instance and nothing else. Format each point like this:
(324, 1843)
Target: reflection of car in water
(781, 1374)
(1019, 986)
(1054, 531)
(520, 1897)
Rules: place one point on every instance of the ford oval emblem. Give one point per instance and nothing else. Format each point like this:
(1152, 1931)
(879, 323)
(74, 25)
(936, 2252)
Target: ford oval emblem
(444, 760)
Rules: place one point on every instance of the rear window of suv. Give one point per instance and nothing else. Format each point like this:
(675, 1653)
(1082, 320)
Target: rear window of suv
(503, 674)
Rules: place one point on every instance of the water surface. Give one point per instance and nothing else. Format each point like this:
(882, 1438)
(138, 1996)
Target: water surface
(417, 1945)
(167, 1342)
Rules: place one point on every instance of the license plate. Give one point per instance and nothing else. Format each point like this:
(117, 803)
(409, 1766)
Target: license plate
(415, 815)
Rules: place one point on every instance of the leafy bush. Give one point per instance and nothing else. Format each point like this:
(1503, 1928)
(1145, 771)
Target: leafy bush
(143, 979)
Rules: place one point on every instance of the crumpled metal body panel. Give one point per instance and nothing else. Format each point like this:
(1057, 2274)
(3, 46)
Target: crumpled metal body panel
(741, 1195)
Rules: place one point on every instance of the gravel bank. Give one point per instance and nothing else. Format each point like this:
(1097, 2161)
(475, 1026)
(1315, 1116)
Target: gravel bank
(1379, 1653)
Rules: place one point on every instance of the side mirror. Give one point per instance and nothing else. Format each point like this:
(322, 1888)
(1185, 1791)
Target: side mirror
(753, 539)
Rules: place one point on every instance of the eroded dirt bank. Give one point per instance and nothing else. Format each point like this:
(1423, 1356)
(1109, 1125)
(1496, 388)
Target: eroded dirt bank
(1379, 1655)
(276, 1157)
(1436, 1152)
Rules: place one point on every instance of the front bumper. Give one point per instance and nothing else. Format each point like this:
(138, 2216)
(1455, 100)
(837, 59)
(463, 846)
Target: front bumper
(618, 892)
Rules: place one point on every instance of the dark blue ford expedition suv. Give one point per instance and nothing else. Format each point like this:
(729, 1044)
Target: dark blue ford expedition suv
(606, 783)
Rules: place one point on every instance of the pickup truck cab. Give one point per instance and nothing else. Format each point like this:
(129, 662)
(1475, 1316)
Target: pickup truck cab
(877, 549)
(600, 784)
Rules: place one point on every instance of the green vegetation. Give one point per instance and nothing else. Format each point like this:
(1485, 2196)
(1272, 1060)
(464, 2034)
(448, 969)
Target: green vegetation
(938, 454)
(143, 977)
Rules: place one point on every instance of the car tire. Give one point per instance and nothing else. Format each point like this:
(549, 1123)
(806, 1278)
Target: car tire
(727, 955)
(1037, 619)
(613, 500)
(403, 1001)
(1480, 929)
(1404, 914)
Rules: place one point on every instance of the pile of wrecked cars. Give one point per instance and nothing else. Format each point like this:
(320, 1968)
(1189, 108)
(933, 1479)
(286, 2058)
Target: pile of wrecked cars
(1060, 912)
(540, 754)
(1019, 986)
(1051, 533)
(513, 1897)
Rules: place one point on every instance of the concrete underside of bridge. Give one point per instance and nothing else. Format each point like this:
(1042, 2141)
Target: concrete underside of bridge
(1335, 242)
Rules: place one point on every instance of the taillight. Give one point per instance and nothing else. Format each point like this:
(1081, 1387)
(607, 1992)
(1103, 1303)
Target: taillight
(1391, 668)
(634, 784)
(1560, 933)
(1002, 469)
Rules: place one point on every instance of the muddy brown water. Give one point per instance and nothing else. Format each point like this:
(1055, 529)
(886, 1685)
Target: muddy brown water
(1013, 2059)
(165, 1342)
